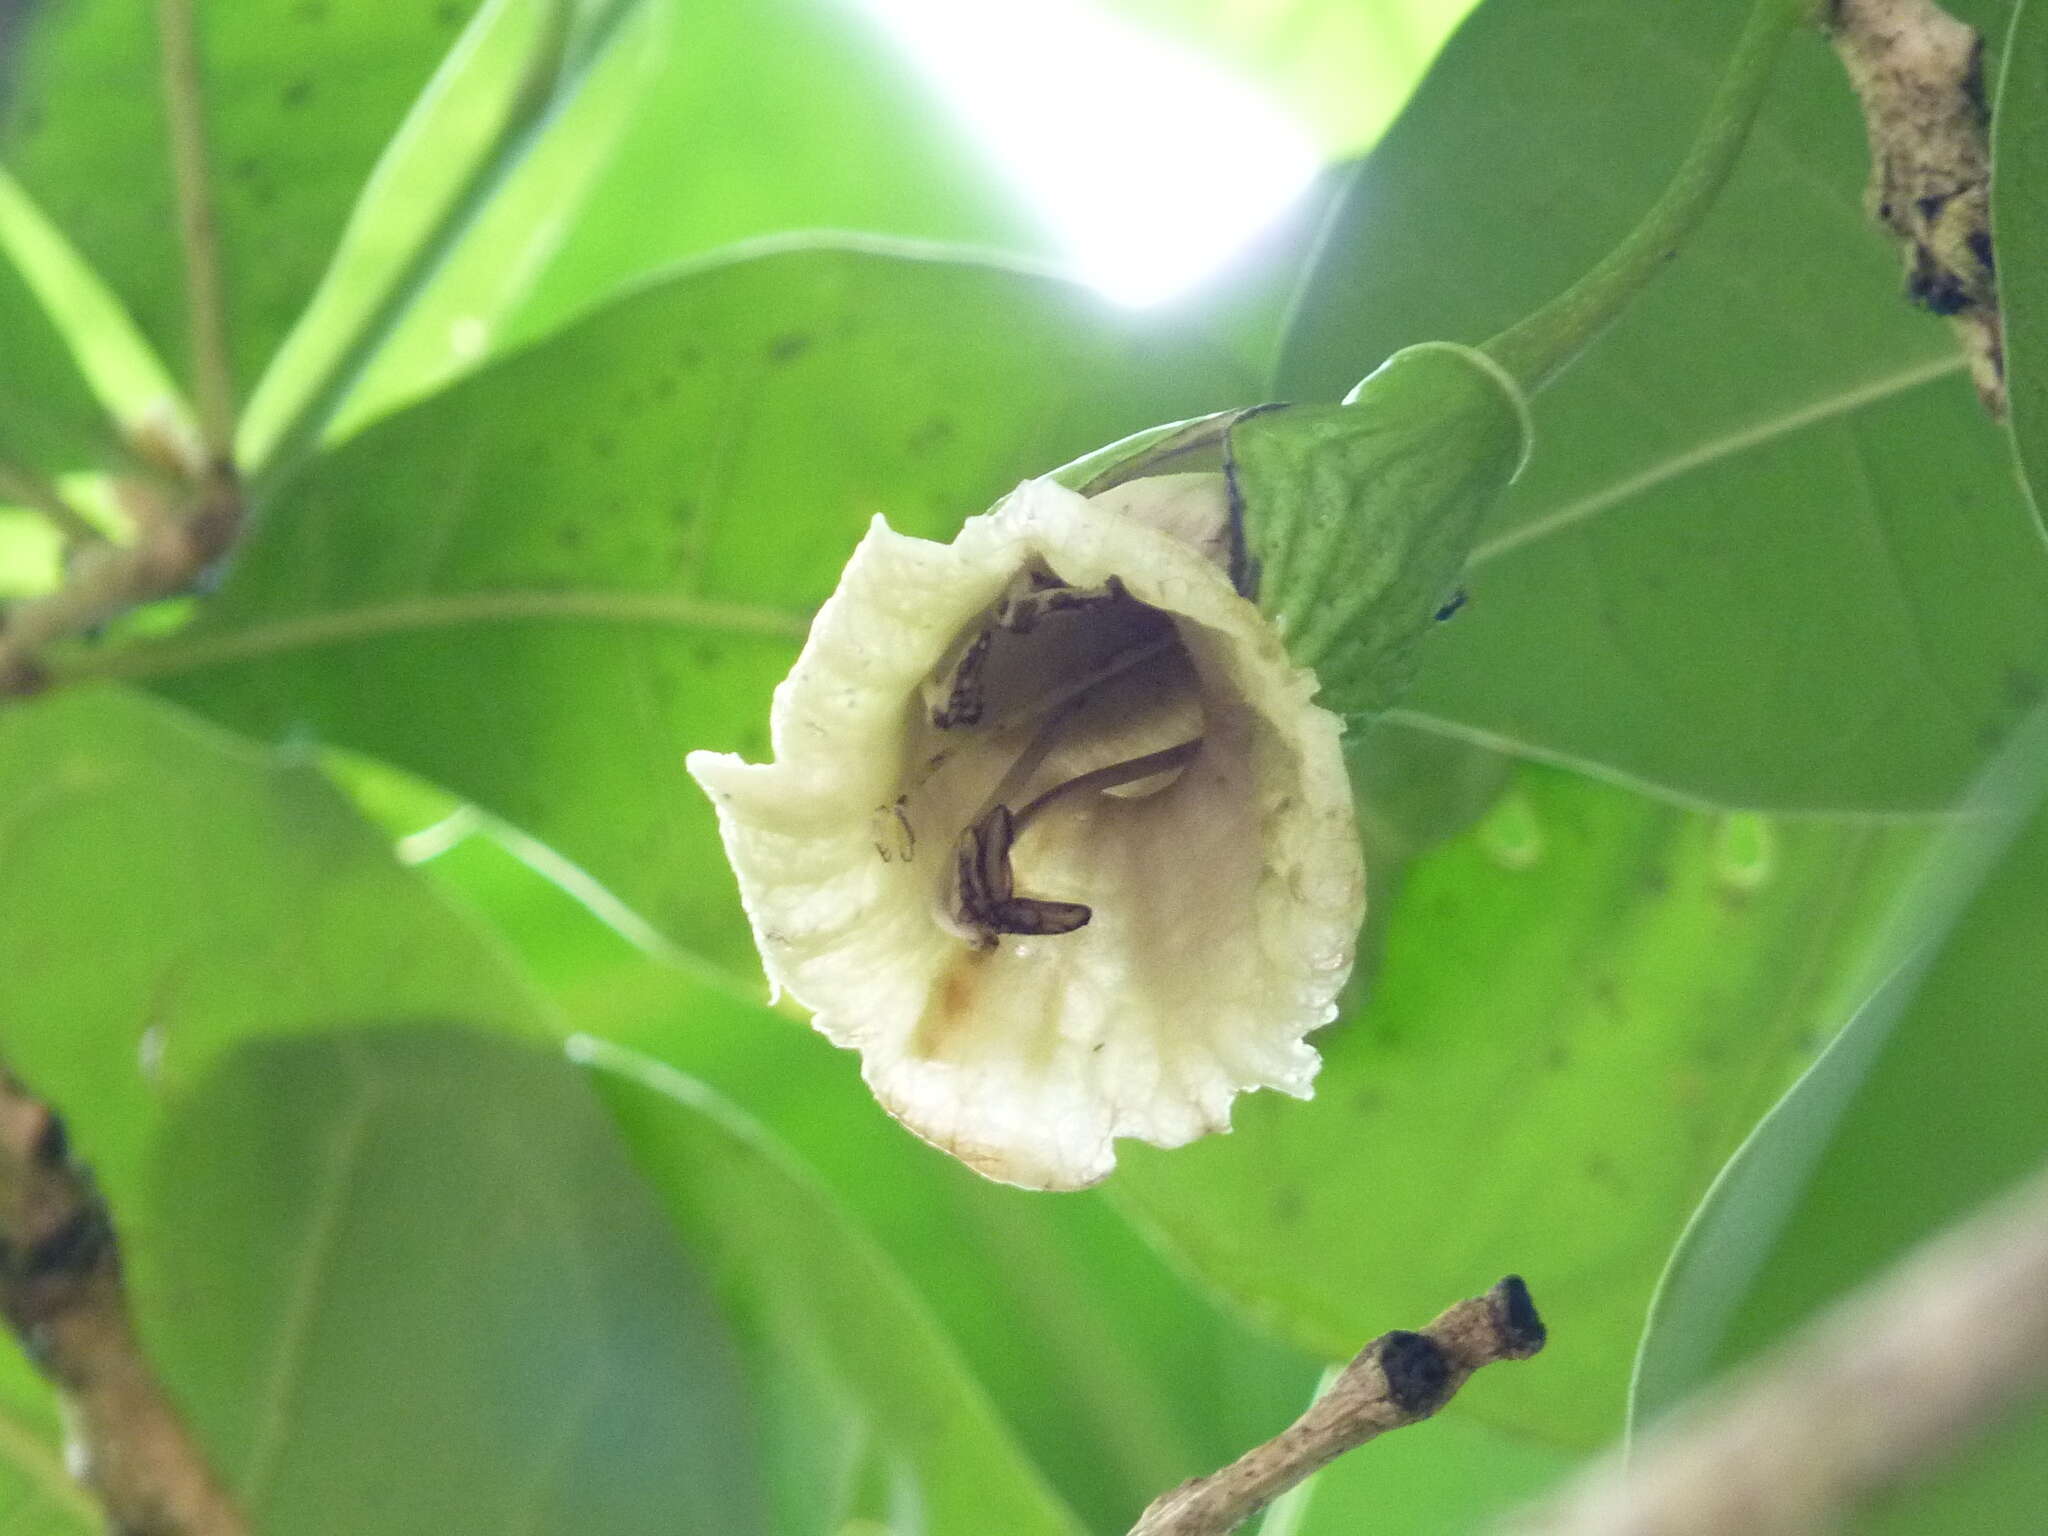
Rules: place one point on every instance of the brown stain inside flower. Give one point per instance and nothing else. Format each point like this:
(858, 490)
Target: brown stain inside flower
(952, 1004)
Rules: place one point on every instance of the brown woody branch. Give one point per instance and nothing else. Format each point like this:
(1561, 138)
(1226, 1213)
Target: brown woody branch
(1396, 1380)
(61, 1293)
(1919, 74)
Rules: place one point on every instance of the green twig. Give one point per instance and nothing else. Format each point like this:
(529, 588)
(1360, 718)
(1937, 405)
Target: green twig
(213, 382)
(1539, 347)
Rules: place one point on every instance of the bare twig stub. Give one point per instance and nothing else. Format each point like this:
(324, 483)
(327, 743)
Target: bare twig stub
(1875, 1394)
(1397, 1379)
(181, 530)
(1920, 76)
(60, 1290)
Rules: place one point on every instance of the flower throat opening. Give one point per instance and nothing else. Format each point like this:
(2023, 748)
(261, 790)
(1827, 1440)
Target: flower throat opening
(1056, 699)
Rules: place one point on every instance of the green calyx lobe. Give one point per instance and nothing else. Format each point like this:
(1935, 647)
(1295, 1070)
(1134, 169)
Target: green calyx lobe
(1358, 518)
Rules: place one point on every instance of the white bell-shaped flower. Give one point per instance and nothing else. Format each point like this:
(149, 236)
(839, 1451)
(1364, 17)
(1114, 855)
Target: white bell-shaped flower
(1055, 835)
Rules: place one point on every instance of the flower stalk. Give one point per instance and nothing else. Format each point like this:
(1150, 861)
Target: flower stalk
(1535, 350)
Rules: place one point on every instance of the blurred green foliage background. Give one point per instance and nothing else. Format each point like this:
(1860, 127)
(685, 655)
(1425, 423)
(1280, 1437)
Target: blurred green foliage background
(359, 915)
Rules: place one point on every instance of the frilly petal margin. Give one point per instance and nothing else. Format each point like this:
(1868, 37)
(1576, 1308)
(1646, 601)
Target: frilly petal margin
(1226, 906)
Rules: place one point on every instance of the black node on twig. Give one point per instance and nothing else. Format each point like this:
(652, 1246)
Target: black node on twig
(72, 1250)
(1521, 1328)
(53, 1142)
(1417, 1373)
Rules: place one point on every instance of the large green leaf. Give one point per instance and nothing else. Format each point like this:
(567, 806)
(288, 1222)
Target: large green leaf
(299, 100)
(1133, 1379)
(1341, 67)
(408, 1282)
(542, 587)
(1863, 1159)
(467, 199)
(165, 892)
(824, 1318)
(854, 140)
(49, 421)
(1769, 551)
(2019, 216)
(1581, 1006)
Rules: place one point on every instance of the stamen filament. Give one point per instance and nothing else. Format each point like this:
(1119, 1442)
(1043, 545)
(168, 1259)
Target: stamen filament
(1127, 772)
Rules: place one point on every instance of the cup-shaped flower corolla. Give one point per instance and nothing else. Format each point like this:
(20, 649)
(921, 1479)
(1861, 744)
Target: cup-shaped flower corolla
(1055, 835)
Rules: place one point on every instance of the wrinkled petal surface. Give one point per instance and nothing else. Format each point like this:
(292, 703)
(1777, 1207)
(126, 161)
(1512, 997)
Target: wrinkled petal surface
(1225, 905)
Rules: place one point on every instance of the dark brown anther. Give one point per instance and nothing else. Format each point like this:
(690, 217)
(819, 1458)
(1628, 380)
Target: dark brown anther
(963, 704)
(986, 887)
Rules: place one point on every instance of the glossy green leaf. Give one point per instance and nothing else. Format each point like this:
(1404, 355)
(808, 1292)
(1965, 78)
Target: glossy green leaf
(773, 116)
(299, 100)
(1768, 551)
(407, 1281)
(1874, 1152)
(2019, 219)
(1340, 67)
(1117, 1375)
(49, 421)
(824, 1317)
(544, 586)
(166, 891)
(1581, 1006)
(82, 372)
(470, 195)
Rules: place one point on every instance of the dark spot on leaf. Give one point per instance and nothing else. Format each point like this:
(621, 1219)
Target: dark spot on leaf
(789, 347)
(448, 14)
(682, 511)
(312, 12)
(297, 94)
(1602, 1172)
(706, 654)
(1557, 1058)
(936, 432)
(662, 387)
(1286, 1205)
(689, 357)
(2022, 686)
(570, 536)
(249, 172)
(603, 444)
(1369, 1101)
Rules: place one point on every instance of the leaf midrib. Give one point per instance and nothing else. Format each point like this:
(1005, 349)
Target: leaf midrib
(1704, 454)
(313, 631)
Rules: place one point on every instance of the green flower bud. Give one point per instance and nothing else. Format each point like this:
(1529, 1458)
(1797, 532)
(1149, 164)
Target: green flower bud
(1358, 518)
